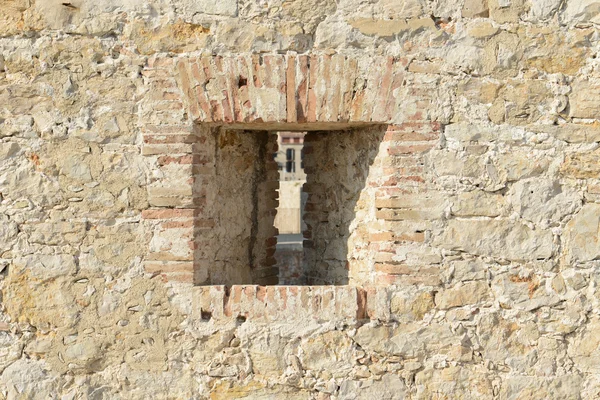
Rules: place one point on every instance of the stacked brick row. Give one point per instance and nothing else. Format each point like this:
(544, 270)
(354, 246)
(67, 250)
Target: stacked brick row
(406, 207)
(178, 157)
(275, 303)
(290, 88)
(281, 303)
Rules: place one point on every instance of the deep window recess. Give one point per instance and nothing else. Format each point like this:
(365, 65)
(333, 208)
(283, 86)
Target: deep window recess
(301, 224)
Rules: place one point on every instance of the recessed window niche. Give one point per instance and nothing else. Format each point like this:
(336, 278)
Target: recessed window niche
(242, 194)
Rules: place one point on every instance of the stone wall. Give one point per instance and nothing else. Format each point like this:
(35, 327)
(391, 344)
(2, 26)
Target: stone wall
(473, 257)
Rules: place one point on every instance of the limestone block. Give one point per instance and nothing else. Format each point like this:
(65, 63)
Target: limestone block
(523, 292)
(475, 8)
(386, 28)
(584, 99)
(191, 7)
(453, 381)
(8, 150)
(463, 294)
(46, 267)
(496, 238)
(582, 165)
(389, 387)
(542, 10)
(584, 347)
(83, 355)
(56, 233)
(407, 340)
(503, 11)
(467, 270)
(543, 202)
(8, 232)
(411, 304)
(28, 378)
(506, 342)
(582, 235)
(572, 133)
(330, 351)
(478, 203)
(452, 163)
(538, 388)
(563, 322)
(179, 36)
(10, 349)
(580, 12)
(76, 168)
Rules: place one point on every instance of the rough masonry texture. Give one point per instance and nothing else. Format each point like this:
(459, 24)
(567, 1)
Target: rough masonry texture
(452, 218)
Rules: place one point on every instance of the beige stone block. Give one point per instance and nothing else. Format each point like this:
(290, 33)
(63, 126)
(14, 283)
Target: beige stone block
(482, 30)
(386, 28)
(475, 8)
(401, 215)
(463, 294)
(582, 235)
(582, 165)
(571, 133)
(411, 306)
(8, 150)
(502, 239)
(478, 203)
(584, 100)
(523, 292)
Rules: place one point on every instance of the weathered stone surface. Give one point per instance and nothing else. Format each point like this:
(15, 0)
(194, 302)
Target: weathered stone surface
(338, 348)
(538, 388)
(543, 202)
(478, 203)
(581, 235)
(475, 8)
(584, 347)
(454, 381)
(581, 165)
(407, 340)
(389, 387)
(496, 238)
(584, 11)
(469, 293)
(523, 292)
(542, 10)
(584, 104)
(459, 193)
(411, 305)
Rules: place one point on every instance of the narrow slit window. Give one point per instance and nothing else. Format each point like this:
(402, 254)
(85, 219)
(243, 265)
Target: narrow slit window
(290, 160)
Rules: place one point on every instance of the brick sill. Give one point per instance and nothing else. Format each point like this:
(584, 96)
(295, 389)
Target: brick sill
(277, 303)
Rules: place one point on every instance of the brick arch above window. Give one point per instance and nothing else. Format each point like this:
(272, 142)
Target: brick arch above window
(290, 89)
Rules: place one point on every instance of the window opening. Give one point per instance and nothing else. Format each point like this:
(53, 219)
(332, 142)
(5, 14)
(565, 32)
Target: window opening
(262, 224)
(290, 164)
